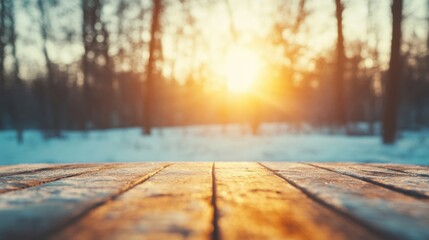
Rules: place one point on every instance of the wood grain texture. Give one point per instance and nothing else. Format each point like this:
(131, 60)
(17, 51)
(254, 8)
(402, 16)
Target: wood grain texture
(174, 204)
(389, 211)
(235, 201)
(22, 168)
(416, 186)
(34, 178)
(410, 169)
(253, 203)
(33, 212)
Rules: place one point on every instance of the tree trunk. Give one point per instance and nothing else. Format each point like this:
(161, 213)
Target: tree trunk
(89, 15)
(340, 111)
(391, 98)
(149, 89)
(97, 89)
(427, 41)
(85, 113)
(107, 85)
(52, 94)
(17, 83)
(2, 58)
(372, 31)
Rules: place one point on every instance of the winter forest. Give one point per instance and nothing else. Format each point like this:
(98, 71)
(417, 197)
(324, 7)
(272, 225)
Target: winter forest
(345, 67)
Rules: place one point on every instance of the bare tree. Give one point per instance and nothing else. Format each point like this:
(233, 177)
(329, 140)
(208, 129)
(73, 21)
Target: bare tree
(372, 32)
(391, 98)
(17, 83)
(106, 98)
(90, 14)
(97, 67)
(52, 124)
(2, 65)
(340, 111)
(300, 17)
(427, 40)
(8, 37)
(120, 12)
(148, 93)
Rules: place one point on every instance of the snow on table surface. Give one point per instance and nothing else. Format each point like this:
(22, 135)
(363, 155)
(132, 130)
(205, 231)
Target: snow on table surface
(210, 143)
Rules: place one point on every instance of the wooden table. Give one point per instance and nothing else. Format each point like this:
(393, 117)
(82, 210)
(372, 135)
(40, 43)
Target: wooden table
(222, 200)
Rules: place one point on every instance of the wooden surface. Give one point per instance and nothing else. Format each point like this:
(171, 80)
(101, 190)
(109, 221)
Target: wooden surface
(222, 200)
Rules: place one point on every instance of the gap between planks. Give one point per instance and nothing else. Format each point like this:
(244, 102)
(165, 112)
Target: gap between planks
(215, 222)
(173, 204)
(416, 174)
(381, 233)
(407, 192)
(215, 232)
(36, 183)
(85, 212)
(42, 169)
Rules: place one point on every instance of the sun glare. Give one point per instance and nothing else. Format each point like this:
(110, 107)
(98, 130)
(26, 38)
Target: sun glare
(241, 69)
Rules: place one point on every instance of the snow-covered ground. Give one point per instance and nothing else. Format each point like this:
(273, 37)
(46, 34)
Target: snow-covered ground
(210, 143)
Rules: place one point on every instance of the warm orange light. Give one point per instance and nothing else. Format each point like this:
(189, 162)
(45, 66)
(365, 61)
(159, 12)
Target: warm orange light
(241, 69)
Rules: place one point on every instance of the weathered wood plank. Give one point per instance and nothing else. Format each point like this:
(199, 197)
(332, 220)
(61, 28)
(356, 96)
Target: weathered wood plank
(389, 211)
(34, 178)
(32, 212)
(253, 203)
(174, 204)
(23, 168)
(411, 169)
(416, 186)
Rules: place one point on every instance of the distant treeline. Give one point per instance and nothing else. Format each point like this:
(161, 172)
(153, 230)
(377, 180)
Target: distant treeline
(126, 86)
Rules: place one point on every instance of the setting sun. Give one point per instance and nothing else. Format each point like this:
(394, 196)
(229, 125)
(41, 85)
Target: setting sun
(241, 69)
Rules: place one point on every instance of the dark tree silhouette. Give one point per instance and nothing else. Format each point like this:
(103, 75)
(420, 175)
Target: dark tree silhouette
(372, 30)
(2, 63)
(8, 38)
(17, 83)
(427, 41)
(51, 125)
(150, 70)
(88, 25)
(340, 109)
(97, 68)
(391, 98)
